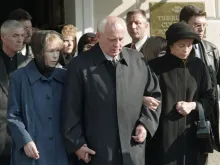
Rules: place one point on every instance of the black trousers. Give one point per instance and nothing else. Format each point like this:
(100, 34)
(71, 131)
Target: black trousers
(4, 160)
(203, 160)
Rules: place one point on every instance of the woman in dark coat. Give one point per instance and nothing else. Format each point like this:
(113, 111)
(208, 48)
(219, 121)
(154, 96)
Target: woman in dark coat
(186, 86)
(35, 94)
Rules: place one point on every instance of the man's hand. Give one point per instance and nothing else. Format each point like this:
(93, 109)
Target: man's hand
(84, 153)
(141, 134)
(31, 151)
(151, 103)
(184, 108)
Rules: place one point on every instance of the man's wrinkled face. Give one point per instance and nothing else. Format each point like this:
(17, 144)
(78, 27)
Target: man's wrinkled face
(112, 40)
(14, 39)
(137, 26)
(28, 30)
(198, 24)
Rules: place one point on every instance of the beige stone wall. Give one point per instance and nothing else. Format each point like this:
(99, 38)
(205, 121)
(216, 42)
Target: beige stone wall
(103, 8)
(86, 13)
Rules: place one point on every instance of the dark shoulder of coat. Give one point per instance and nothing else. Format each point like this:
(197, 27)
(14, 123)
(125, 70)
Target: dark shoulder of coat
(208, 45)
(135, 55)
(128, 45)
(18, 74)
(158, 63)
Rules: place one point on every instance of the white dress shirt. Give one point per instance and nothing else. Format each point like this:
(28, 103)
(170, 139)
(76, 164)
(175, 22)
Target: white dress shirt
(140, 43)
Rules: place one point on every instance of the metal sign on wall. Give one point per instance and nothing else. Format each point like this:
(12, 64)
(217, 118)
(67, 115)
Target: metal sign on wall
(162, 15)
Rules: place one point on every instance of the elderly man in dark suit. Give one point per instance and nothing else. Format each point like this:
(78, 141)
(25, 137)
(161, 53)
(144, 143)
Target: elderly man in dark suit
(104, 121)
(12, 36)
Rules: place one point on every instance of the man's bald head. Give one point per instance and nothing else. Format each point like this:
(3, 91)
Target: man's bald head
(111, 23)
(110, 35)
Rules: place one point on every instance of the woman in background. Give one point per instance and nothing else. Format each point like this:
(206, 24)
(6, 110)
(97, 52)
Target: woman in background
(68, 33)
(86, 42)
(155, 47)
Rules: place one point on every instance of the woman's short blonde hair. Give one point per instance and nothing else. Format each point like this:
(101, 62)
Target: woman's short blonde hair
(50, 37)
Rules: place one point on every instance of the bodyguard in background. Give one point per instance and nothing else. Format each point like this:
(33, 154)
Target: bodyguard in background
(137, 25)
(209, 54)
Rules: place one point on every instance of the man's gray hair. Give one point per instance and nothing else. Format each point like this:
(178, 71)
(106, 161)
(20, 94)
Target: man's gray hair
(102, 23)
(10, 24)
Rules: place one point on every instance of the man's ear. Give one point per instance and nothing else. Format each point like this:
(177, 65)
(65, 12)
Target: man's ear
(98, 36)
(146, 25)
(2, 37)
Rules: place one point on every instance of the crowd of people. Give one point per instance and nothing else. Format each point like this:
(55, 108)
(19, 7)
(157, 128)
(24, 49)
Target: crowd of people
(101, 102)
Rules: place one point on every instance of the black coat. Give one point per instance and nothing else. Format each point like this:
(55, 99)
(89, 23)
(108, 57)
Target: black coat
(103, 105)
(175, 141)
(5, 140)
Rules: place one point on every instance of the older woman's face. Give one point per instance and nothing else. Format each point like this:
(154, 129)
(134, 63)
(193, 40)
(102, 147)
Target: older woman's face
(182, 48)
(69, 44)
(52, 53)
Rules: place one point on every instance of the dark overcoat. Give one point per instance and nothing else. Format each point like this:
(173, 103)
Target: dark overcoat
(175, 142)
(5, 141)
(103, 106)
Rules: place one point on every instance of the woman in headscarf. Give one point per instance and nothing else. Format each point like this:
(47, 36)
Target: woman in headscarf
(186, 87)
(35, 94)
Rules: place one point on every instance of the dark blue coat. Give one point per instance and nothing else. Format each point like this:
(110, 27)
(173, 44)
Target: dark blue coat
(34, 115)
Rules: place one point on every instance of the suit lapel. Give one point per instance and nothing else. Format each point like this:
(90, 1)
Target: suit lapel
(203, 54)
(21, 61)
(4, 79)
(122, 80)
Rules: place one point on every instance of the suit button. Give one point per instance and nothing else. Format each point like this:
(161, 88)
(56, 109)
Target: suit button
(51, 138)
(50, 117)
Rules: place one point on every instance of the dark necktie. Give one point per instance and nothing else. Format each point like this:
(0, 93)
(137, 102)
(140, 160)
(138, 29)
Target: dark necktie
(115, 62)
(133, 46)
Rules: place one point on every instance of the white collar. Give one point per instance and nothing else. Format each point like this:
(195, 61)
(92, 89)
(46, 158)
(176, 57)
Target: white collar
(140, 43)
(24, 50)
(109, 58)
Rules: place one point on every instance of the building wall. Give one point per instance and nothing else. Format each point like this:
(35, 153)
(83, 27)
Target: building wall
(89, 12)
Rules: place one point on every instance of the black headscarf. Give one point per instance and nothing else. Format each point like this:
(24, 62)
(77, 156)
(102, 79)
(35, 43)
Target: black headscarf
(38, 45)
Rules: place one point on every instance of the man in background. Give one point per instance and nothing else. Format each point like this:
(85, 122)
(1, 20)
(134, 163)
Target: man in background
(25, 19)
(137, 26)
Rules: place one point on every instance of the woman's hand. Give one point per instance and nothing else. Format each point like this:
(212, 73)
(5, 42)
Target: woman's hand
(31, 151)
(151, 103)
(184, 108)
